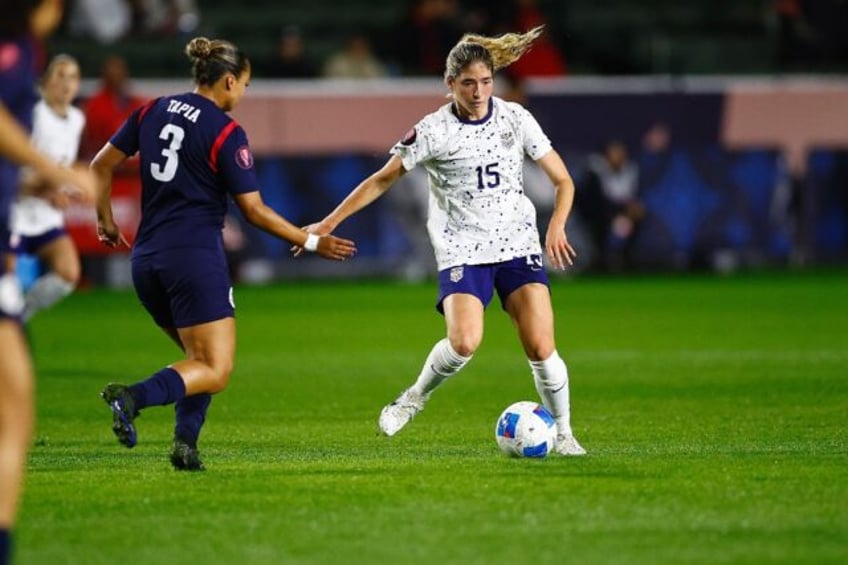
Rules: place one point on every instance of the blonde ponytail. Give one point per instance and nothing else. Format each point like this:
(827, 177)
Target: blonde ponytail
(496, 53)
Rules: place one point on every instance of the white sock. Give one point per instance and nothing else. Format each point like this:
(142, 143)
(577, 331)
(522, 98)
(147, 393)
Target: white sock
(551, 379)
(442, 362)
(45, 292)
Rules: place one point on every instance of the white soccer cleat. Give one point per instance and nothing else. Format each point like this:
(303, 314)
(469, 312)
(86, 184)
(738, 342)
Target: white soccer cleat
(398, 414)
(567, 445)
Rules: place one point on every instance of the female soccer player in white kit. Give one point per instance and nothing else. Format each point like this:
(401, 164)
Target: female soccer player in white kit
(38, 223)
(481, 225)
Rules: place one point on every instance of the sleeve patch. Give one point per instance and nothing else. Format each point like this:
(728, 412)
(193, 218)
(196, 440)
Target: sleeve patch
(244, 158)
(409, 137)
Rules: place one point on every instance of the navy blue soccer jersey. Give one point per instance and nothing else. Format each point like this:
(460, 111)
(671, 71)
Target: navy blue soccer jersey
(19, 60)
(193, 156)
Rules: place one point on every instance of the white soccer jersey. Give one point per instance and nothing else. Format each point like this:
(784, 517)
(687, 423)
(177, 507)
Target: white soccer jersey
(57, 137)
(478, 211)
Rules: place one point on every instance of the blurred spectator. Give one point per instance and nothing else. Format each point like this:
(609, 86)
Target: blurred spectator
(795, 37)
(426, 35)
(811, 34)
(290, 59)
(487, 17)
(105, 20)
(356, 60)
(657, 138)
(107, 108)
(164, 17)
(545, 58)
(408, 203)
(609, 203)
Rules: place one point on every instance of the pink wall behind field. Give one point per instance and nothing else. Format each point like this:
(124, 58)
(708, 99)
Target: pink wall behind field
(793, 117)
(317, 125)
(320, 117)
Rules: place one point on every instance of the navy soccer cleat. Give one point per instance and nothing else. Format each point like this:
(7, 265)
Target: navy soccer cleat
(184, 457)
(118, 398)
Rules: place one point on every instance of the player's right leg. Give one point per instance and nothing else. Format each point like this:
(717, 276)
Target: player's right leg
(464, 320)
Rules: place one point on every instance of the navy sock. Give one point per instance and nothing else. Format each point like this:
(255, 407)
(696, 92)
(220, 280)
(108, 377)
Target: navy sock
(164, 387)
(5, 546)
(190, 415)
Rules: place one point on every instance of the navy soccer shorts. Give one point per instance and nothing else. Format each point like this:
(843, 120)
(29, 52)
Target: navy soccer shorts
(31, 244)
(184, 287)
(483, 280)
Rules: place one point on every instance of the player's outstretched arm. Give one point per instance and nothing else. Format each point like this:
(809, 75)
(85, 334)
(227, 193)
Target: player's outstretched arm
(364, 194)
(263, 217)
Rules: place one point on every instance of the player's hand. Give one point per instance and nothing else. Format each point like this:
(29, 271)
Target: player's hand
(298, 250)
(110, 235)
(332, 247)
(76, 181)
(59, 199)
(317, 228)
(559, 250)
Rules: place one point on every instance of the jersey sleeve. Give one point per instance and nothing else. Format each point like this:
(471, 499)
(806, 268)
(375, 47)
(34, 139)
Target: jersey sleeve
(415, 147)
(536, 143)
(235, 163)
(126, 138)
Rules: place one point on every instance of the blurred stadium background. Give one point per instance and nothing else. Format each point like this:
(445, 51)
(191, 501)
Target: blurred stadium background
(734, 113)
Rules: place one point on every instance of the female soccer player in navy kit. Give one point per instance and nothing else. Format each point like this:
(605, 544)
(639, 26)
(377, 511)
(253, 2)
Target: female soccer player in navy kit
(22, 25)
(193, 158)
(481, 224)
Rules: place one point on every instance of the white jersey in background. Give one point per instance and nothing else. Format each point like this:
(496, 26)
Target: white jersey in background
(57, 137)
(478, 211)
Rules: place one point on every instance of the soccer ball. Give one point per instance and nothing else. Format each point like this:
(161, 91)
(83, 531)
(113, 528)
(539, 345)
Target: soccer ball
(526, 429)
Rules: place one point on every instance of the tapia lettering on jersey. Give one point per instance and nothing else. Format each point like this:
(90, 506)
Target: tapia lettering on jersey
(184, 109)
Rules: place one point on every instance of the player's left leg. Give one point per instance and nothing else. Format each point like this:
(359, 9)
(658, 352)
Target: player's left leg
(189, 416)
(62, 261)
(530, 308)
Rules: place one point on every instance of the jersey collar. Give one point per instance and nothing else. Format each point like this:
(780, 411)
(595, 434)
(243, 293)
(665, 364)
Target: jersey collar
(482, 120)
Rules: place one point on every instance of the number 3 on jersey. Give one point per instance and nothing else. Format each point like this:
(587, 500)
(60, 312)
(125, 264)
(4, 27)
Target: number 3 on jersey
(166, 172)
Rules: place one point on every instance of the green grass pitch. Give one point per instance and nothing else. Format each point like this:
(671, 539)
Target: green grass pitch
(714, 411)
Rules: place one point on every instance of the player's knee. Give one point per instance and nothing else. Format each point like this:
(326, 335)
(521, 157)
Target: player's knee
(539, 351)
(69, 273)
(465, 345)
(220, 377)
(218, 382)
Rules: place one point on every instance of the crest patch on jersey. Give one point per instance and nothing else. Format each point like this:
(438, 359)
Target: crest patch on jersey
(9, 55)
(244, 158)
(507, 139)
(409, 137)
